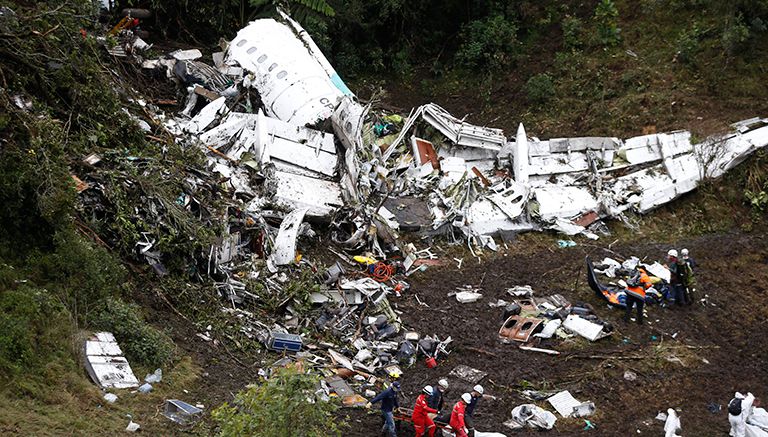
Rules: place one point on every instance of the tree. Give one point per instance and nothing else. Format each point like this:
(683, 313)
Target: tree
(284, 406)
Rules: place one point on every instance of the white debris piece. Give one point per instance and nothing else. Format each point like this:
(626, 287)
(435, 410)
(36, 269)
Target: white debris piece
(468, 296)
(589, 330)
(106, 364)
(285, 244)
(672, 424)
(296, 191)
(564, 403)
(186, 55)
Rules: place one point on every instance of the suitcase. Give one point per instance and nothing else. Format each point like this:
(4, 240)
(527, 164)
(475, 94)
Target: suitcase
(280, 341)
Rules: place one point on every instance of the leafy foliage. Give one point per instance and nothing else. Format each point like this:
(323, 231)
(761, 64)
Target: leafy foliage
(284, 405)
(488, 43)
(606, 16)
(540, 88)
(140, 342)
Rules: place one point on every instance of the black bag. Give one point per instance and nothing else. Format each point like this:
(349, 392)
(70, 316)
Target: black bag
(734, 407)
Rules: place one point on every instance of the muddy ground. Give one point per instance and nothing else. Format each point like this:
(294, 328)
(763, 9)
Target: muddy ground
(689, 358)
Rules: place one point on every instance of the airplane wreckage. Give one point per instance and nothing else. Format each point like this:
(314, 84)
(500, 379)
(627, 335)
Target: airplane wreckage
(323, 156)
(472, 178)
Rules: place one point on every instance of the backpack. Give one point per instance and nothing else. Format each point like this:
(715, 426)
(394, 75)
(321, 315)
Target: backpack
(734, 407)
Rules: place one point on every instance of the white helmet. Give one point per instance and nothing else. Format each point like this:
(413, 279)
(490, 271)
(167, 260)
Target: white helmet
(672, 252)
(428, 390)
(478, 388)
(684, 252)
(466, 397)
(443, 383)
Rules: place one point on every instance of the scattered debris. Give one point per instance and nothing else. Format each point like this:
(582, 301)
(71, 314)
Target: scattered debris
(567, 406)
(531, 416)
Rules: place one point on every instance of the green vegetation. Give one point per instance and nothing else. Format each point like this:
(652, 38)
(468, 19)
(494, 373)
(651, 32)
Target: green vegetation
(284, 405)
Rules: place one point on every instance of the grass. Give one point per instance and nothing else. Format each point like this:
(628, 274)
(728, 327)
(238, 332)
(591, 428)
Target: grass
(75, 406)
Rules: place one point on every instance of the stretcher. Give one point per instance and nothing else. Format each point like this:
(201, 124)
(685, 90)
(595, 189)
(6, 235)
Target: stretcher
(404, 415)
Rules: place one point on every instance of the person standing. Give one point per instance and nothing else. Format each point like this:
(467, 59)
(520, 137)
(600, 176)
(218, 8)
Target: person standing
(388, 399)
(436, 400)
(476, 394)
(457, 423)
(676, 270)
(421, 420)
(636, 287)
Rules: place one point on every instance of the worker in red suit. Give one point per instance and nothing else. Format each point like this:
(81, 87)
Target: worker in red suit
(457, 415)
(421, 420)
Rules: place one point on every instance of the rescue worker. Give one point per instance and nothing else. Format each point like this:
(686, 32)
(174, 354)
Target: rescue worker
(457, 416)
(636, 287)
(676, 279)
(388, 399)
(687, 259)
(739, 410)
(689, 280)
(436, 400)
(476, 395)
(421, 420)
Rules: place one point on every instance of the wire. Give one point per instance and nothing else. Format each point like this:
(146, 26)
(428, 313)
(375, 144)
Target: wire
(382, 272)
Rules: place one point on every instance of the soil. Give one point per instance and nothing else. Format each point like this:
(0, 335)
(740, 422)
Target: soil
(690, 357)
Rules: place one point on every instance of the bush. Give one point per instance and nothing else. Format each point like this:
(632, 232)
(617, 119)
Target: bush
(141, 342)
(488, 43)
(34, 330)
(539, 88)
(606, 16)
(572, 32)
(689, 44)
(735, 34)
(284, 406)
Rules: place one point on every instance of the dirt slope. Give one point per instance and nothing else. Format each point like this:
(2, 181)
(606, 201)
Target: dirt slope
(717, 348)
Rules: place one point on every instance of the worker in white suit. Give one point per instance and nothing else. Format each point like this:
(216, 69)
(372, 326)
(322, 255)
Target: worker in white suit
(739, 411)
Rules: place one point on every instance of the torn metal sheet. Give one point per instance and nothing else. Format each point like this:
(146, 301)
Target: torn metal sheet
(207, 116)
(106, 364)
(517, 328)
(284, 251)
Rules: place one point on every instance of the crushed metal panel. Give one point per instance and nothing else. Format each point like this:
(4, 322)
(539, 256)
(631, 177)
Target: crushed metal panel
(297, 191)
(517, 328)
(285, 243)
(105, 363)
(510, 200)
(461, 132)
(290, 76)
(483, 217)
(468, 374)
